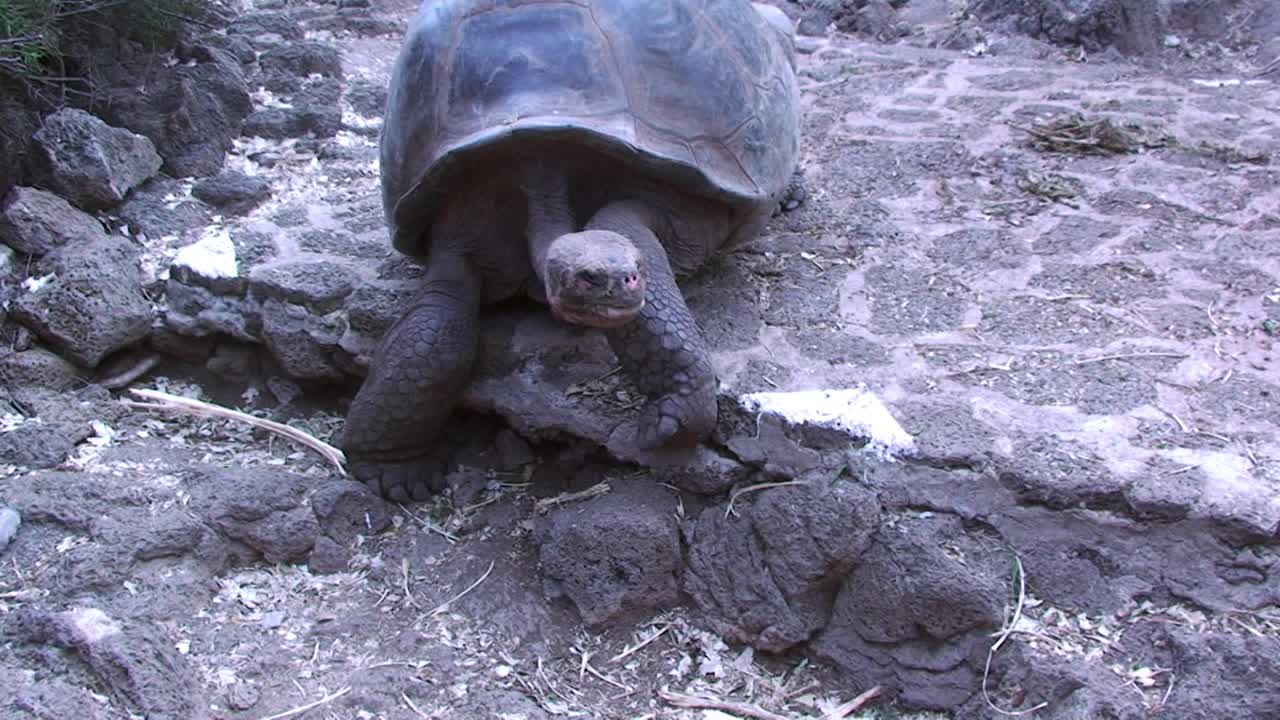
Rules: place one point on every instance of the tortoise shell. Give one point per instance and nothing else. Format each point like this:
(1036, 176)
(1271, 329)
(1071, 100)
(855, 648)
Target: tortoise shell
(702, 94)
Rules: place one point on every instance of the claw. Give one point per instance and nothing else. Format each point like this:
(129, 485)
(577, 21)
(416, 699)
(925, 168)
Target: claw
(675, 420)
(402, 481)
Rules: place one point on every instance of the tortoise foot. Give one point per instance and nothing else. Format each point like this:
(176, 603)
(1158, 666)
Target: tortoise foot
(400, 480)
(795, 194)
(679, 419)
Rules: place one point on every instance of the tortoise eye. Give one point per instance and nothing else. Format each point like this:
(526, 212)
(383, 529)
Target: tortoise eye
(586, 279)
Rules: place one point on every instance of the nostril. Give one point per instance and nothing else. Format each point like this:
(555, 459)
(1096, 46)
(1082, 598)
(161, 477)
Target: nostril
(631, 281)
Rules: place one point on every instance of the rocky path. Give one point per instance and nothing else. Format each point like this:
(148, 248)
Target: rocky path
(1080, 345)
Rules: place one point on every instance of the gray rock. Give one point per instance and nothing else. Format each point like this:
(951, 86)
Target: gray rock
(373, 306)
(1210, 667)
(35, 445)
(614, 557)
(709, 474)
(328, 557)
(35, 222)
(314, 111)
(94, 303)
(346, 509)
(54, 697)
(233, 191)
(362, 22)
(89, 162)
(917, 614)
(367, 98)
(200, 312)
(1200, 667)
(160, 207)
(1073, 690)
(508, 704)
(68, 500)
(185, 348)
(318, 284)
(237, 362)
(243, 696)
(19, 122)
(817, 17)
(1134, 27)
(876, 18)
(163, 536)
(192, 113)
(136, 662)
(260, 508)
(284, 67)
(270, 22)
(37, 368)
(303, 343)
(10, 520)
(513, 452)
(766, 575)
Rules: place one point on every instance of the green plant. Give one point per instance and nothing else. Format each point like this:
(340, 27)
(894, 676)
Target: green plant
(24, 37)
(51, 40)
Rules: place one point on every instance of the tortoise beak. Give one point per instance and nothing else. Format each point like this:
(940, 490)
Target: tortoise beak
(603, 317)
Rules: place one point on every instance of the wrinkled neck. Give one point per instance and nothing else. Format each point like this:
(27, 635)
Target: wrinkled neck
(550, 215)
(629, 218)
(641, 224)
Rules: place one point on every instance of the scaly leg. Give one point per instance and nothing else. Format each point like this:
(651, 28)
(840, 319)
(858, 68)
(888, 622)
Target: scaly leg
(662, 349)
(417, 376)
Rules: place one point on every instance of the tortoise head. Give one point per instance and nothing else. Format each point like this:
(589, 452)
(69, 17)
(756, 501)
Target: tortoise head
(594, 278)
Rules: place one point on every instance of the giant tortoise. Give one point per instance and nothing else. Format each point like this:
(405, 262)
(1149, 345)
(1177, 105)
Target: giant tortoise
(583, 152)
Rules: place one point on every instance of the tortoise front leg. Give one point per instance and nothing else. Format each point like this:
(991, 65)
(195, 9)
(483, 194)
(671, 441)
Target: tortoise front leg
(662, 349)
(416, 378)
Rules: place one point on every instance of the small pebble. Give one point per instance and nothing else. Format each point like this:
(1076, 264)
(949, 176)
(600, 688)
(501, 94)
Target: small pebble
(242, 696)
(9, 522)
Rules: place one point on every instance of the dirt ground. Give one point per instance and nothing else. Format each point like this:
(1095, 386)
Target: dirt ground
(1083, 343)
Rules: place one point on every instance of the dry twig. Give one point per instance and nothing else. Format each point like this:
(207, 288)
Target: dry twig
(840, 712)
(309, 706)
(1005, 632)
(594, 491)
(414, 708)
(177, 403)
(429, 525)
(627, 652)
(1131, 356)
(442, 606)
(694, 701)
(728, 510)
(131, 373)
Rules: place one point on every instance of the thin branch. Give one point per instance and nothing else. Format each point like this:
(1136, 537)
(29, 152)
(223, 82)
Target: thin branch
(175, 403)
(627, 652)
(444, 605)
(1005, 632)
(840, 712)
(414, 708)
(1131, 356)
(728, 510)
(596, 490)
(694, 701)
(309, 706)
(131, 373)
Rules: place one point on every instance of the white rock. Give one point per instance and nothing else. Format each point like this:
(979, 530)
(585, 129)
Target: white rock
(854, 411)
(92, 625)
(213, 256)
(10, 521)
(34, 284)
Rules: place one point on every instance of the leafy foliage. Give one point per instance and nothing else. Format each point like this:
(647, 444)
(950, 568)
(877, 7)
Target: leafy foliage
(50, 40)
